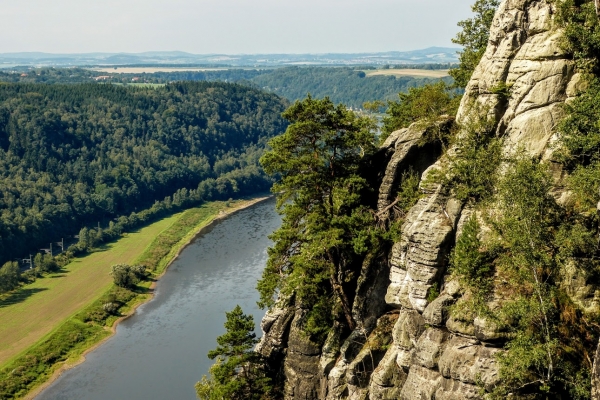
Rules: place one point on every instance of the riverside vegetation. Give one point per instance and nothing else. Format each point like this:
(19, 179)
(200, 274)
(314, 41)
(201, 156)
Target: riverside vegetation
(524, 257)
(100, 153)
(115, 158)
(107, 303)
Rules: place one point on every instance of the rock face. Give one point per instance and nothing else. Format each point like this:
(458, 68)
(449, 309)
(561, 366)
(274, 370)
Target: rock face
(522, 80)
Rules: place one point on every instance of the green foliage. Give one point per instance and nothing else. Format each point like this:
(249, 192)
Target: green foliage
(471, 169)
(35, 367)
(502, 90)
(581, 36)
(474, 39)
(433, 292)
(409, 192)
(319, 191)
(9, 276)
(341, 85)
(408, 195)
(74, 155)
(127, 276)
(469, 262)
(580, 128)
(530, 242)
(425, 104)
(236, 375)
(347, 85)
(585, 183)
(239, 338)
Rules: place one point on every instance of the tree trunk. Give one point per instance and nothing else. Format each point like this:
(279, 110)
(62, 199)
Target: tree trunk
(346, 308)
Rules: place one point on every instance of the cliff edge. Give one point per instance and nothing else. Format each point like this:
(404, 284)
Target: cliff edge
(406, 345)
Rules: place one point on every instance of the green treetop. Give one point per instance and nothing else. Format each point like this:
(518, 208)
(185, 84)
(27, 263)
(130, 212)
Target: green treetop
(318, 162)
(236, 374)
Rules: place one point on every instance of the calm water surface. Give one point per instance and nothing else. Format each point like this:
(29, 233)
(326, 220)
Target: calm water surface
(160, 352)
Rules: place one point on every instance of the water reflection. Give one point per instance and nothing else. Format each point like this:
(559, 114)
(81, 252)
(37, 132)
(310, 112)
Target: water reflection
(160, 352)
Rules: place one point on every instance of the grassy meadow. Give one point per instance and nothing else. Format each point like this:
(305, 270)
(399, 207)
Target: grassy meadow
(54, 320)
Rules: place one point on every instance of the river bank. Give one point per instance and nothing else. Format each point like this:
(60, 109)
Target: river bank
(54, 353)
(161, 351)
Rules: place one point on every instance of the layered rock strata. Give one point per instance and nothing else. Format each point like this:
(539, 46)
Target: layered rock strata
(522, 81)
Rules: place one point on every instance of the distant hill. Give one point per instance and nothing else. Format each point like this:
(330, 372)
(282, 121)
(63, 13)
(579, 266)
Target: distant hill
(76, 155)
(429, 55)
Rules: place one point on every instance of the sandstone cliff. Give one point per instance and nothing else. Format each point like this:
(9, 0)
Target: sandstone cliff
(405, 346)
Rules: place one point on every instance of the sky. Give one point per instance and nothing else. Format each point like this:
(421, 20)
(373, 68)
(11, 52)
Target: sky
(229, 26)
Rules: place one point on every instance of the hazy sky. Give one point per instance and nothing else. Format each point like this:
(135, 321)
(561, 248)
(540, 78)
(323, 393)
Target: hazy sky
(228, 26)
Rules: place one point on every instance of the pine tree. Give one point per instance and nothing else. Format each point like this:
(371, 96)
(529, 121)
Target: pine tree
(237, 373)
(319, 162)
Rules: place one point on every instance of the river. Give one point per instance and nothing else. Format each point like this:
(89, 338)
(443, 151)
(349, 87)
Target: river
(160, 352)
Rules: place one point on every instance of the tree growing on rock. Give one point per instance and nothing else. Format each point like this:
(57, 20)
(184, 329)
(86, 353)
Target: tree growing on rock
(319, 164)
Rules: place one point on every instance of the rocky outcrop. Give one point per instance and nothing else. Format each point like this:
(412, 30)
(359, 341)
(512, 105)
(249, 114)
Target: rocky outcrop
(301, 364)
(522, 81)
(410, 151)
(418, 260)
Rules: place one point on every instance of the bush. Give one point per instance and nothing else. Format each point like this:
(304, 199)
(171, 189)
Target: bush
(9, 276)
(471, 168)
(110, 308)
(127, 276)
(425, 104)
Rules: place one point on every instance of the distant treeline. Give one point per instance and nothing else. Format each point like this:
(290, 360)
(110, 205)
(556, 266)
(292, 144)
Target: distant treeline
(342, 84)
(73, 155)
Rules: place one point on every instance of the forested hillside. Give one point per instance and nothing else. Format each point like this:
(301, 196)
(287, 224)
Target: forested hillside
(347, 85)
(72, 155)
(342, 85)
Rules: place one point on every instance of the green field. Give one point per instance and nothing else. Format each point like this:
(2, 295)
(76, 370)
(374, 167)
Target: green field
(50, 323)
(36, 309)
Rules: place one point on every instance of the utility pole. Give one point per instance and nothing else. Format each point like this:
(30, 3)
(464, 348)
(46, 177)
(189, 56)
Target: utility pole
(49, 250)
(61, 244)
(29, 260)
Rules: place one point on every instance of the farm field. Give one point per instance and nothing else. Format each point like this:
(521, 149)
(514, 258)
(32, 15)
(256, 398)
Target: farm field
(151, 70)
(420, 73)
(37, 309)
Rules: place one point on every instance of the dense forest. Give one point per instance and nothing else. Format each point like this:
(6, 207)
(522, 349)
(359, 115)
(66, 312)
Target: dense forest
(351, 86)
(342, 85)
(76, 155)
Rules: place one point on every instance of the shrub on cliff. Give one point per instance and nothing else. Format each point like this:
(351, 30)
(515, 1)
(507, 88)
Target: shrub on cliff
(424, 104)
(319, 163)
